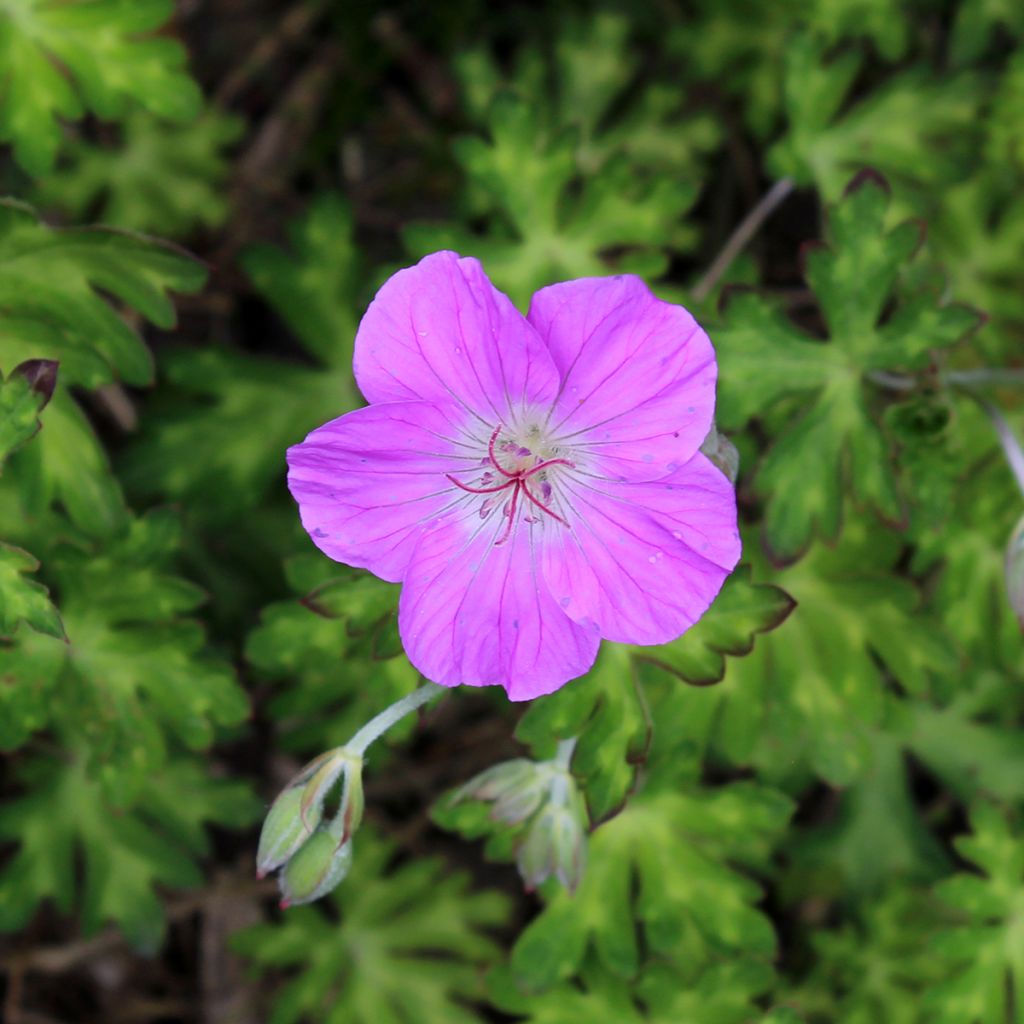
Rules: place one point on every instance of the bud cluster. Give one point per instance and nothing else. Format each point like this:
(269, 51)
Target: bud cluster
(545, 799)
(314, 852)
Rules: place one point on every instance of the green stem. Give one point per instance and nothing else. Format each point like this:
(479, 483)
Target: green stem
(1007, 438)
(563, 755)
(380, 724)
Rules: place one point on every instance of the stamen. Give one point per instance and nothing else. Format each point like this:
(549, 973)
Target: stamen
(516, 479)
(550, 511)
(511, 513)
(550, 462)
(479, 490)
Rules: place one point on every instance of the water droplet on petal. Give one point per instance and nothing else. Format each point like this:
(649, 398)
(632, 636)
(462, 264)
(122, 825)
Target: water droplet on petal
(564, 602)
(677, 535)
(648, 457)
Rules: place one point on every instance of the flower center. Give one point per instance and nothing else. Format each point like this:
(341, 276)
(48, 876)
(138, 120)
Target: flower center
(519, 473)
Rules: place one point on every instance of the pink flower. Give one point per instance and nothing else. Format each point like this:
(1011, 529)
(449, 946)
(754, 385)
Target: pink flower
(534, 483)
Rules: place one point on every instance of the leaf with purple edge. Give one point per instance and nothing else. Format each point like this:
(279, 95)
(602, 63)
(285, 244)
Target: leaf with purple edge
(831, 445)
(23, 395)
(741, 611)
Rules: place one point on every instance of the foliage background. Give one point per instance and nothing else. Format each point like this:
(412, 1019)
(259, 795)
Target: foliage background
(824, 824)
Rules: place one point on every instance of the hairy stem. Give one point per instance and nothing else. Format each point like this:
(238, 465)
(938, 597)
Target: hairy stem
(563, 755)
(1007, 438)
(379, 724)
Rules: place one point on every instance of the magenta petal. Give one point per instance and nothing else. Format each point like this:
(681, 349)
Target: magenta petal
(472, 613)
(441, 331)
(368, 481)
(638, 374)
(643, 561)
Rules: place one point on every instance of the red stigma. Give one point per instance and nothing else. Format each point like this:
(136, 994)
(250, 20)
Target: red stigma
(516, 479)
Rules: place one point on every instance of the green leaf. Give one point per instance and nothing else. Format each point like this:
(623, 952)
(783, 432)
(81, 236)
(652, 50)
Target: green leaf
(67, 466)
(877, 966)
(976, 23)
(201, 442)
(52, 296)
(741, 611)
(162, 177)
(135, 666)
(607, 711)
(882, 21)
(218, 439)
(608, 708)
(721, 993)
(812, 692)
(29, 670)
(831, 440)
(875, 838)
(913, 127)
(567, 177)
(315, 288)
(409, 945)
(64, 819)
(22, 397)
(969, 595)
(22, 599)
(63, 59)
(983, 954)
(972, 755)
(334, 655)
(658, 878)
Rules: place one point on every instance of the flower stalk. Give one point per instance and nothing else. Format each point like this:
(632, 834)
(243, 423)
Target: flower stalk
(314, 853)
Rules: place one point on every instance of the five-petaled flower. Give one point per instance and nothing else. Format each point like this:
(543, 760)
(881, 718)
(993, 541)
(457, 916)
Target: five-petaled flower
(533, 482)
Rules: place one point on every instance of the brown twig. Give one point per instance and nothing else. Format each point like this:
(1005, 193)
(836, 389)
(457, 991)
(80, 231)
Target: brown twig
(290, 29)
(745, 230)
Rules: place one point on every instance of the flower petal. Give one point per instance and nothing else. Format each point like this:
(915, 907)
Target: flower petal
(638, 374)
(643, 561)
(441, 331)
(368, 481)
(472, 613)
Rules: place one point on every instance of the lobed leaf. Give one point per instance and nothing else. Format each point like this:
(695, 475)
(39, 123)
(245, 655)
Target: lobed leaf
(409, 945)
(659, 878)
(64, 819)
(830, 440)
(63, 59)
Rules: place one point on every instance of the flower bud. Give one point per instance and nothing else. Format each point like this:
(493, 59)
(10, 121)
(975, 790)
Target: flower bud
(298, 811)
(722, 452)
(319, 865)
(284, 831)
(516, 787)
(555, 844)
(545, 796)
(1015, 571)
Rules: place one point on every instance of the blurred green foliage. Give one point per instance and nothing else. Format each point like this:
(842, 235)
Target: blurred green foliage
(807, 809)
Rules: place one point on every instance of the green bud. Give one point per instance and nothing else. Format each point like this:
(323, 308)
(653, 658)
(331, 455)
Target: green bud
(517, 788)
(722, 452)
(555, 845)
(284, 831)
(319, 865)
(298, 812)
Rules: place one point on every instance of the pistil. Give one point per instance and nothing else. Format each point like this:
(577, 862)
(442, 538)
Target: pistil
(516, 479)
